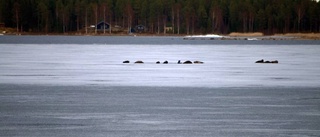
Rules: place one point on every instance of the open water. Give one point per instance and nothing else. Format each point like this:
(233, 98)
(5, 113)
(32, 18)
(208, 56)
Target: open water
(78, 86)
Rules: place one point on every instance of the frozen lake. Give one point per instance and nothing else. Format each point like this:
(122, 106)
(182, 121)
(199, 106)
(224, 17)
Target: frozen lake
(98, 111)
(226, 63)
(77, 86)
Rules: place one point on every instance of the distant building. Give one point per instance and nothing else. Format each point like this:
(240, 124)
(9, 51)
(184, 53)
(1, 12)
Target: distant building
(102, 25)
(140, 28)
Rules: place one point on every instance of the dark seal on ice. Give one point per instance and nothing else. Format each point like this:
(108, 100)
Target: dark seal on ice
(260, 61)
(139, 62)
(198, 62)
(187, 62)
(126, 61)
(274, 61)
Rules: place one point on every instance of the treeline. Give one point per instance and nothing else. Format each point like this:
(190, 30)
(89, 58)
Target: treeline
(163, 16)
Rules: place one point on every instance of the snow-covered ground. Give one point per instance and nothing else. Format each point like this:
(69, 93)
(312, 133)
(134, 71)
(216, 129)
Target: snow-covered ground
(224, 65)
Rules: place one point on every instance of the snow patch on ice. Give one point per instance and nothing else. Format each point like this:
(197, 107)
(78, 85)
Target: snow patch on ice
(206, 36)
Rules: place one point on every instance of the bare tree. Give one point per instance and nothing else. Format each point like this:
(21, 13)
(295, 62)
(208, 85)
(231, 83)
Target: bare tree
(104, 19)
(17, 15)
(95, 10)
(300, 10)
(86, 20)
(130, 13)
(173, 17)
(178, 17)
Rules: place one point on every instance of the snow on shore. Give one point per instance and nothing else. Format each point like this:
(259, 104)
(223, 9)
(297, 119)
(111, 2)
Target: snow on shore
(206, 36)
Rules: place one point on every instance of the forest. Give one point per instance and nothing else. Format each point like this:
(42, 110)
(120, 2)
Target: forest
(162, 16)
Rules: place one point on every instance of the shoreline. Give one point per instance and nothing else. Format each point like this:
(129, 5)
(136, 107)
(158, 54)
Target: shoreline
(230, 36)
(293, 36)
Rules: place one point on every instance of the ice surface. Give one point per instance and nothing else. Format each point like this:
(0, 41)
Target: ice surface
(99, 64)
(57, 86)
(99, 111)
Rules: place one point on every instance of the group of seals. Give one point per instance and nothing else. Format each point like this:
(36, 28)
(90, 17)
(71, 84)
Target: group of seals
(138, 62)
(190, 62)
(166, 62)
(197, 62)
(263, 61)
